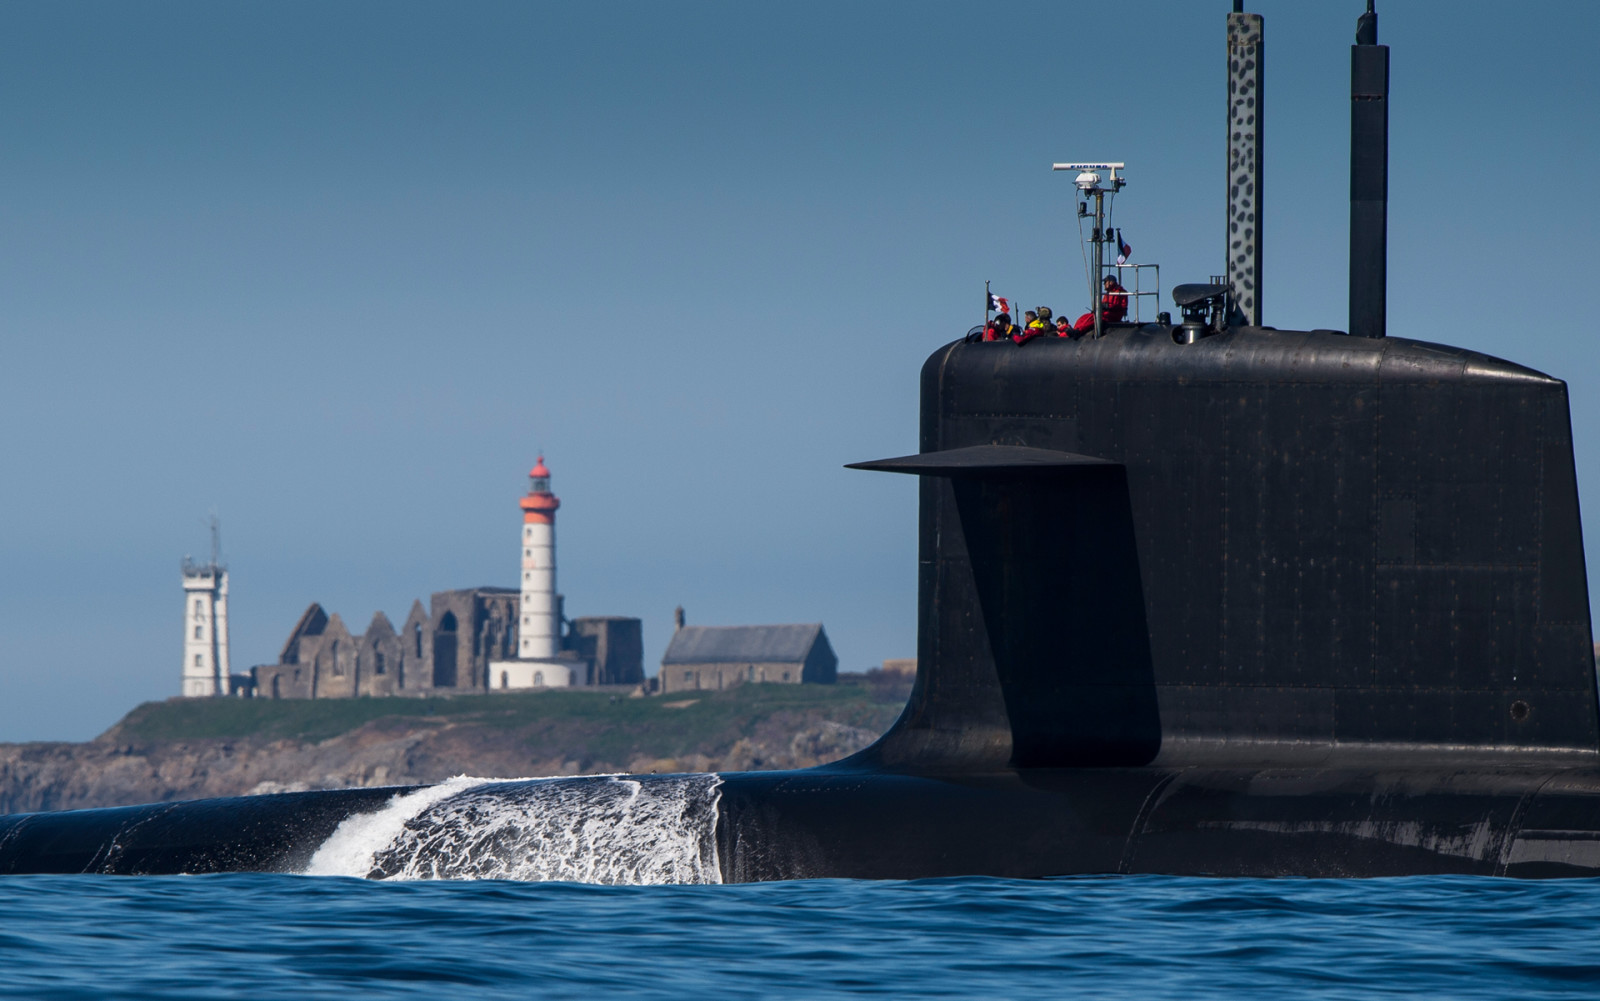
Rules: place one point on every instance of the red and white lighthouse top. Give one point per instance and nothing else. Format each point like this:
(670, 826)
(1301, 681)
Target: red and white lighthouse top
(539, 507)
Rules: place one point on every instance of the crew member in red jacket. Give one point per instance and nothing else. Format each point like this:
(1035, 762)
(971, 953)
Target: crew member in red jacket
(1113, 306)
(1000, 328)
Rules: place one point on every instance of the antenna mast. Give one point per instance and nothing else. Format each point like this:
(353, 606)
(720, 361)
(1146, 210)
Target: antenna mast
(1245, 77)
(1088, 182)
(1369, 179)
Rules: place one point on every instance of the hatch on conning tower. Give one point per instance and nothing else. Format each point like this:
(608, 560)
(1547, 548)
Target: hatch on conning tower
(1145, 278)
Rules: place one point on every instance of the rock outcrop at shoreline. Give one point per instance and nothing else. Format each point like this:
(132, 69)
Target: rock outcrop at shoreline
(476, 735)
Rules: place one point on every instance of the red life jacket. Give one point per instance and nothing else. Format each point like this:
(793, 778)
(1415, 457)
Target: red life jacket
(1114, 306)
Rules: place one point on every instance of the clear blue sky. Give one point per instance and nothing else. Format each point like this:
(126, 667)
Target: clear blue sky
(339, 271)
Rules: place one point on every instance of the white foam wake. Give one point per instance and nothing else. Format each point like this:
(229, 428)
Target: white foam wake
(349, 849)
(594, 829)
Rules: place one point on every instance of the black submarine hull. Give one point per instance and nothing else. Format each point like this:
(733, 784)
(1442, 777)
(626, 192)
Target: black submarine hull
(277, 833)
(1302, 822)
(1537, 822)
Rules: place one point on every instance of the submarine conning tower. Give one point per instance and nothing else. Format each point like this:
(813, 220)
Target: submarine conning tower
(1231, 544)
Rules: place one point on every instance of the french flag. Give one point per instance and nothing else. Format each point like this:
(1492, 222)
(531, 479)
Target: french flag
(997, 304)
(1123, 250)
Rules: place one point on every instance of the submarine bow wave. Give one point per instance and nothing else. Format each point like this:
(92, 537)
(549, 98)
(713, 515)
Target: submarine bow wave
(638, 829)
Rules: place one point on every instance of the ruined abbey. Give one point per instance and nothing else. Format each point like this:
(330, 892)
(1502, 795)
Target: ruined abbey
(453, 645)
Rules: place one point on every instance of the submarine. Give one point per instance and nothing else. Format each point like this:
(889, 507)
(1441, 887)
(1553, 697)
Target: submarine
(1205, 597)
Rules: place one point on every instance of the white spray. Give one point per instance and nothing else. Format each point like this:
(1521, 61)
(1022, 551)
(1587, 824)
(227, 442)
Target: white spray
(619, 829)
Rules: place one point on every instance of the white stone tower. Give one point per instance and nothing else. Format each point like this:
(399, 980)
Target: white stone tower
(205, 623)
(539, 631)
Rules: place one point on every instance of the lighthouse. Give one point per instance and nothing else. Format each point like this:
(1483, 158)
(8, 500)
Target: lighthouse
(539, 627)
(205, 622)
(540, 663)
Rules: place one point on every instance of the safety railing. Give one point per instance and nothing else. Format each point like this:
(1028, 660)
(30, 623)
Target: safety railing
(1136, 292)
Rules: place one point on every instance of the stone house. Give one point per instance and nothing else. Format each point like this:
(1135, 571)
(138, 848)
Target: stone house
(446, 648)
(701, 657)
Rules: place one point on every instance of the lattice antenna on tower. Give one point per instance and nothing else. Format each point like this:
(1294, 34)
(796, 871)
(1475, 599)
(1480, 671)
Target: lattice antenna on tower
(216, 541)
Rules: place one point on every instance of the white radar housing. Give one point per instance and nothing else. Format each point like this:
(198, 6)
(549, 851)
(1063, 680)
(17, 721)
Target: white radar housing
(1087, 179)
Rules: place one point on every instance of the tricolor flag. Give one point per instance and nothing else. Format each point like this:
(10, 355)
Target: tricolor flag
(997, 304)
(1123, 250)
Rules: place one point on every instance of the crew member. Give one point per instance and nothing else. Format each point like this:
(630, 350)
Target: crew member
(1000, 328)
(1113, 306)
(1038, 325)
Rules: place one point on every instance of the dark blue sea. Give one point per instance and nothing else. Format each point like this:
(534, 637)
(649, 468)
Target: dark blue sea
(311, 937)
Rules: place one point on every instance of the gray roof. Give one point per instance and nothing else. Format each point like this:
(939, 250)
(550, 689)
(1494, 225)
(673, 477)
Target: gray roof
(741, 644)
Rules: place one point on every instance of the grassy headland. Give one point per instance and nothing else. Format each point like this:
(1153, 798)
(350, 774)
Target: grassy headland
(192, 748)
(589, 724)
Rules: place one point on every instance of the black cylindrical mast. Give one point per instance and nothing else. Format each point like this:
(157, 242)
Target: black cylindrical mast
(1369, 178)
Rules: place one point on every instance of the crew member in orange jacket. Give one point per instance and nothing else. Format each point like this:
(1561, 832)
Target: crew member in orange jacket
(1113, 306)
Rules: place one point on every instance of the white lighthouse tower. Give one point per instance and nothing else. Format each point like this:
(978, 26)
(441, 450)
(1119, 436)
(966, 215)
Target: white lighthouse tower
(540, 662)
(205, 623)
(539, 629)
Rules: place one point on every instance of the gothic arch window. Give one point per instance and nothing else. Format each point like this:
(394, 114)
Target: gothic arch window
(538, 678)
(198, 631)
(378, 665)
(277, 691)
(445, 641)
(199, 661)
(199, 607)
(338, 667)
(416, 634)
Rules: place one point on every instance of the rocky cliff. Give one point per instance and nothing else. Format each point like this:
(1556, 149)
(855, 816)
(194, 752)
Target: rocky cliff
(192, 748)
